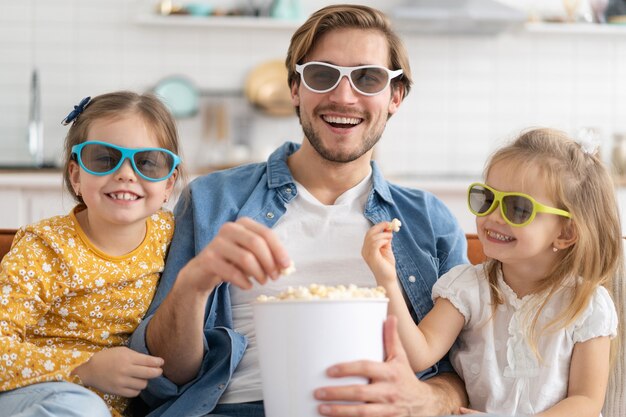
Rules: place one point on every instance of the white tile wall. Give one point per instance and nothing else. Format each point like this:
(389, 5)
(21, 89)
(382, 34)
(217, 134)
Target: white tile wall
(470, 93)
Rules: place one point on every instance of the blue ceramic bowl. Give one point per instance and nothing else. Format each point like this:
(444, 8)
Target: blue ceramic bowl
(199, 9)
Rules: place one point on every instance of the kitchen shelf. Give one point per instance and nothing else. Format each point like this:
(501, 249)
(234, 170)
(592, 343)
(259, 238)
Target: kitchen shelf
(576, 28)
(251, 22)
(239, 22)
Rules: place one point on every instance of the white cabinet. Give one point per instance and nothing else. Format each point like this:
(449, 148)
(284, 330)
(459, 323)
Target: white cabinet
(26, 197)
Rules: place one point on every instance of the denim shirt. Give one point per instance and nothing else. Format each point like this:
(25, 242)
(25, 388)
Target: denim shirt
(428, 245)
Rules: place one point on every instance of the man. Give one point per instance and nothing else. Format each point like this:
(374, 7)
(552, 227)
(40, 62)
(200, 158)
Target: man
(318, 200)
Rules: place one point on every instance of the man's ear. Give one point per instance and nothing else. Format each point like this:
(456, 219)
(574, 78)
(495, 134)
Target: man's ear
(295, 94)
(568, 236)
(397, 95)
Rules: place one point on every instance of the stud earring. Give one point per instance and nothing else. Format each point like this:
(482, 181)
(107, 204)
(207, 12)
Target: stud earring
(555, 249)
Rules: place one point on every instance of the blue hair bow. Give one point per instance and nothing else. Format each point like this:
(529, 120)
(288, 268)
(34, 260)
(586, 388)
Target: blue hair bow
(78, 109)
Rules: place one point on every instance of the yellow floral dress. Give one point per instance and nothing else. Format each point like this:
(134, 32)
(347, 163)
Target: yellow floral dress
(62, 299)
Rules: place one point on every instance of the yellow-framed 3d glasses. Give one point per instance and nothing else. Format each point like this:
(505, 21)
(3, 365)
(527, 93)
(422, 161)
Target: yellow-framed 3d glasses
(517, 209)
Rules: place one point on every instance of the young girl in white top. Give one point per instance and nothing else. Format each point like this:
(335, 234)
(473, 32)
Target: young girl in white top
(534, 321)
(74, 287)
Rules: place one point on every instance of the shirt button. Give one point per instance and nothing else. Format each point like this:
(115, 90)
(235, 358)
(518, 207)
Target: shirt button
(288, 190)
(270, 215)
(412, 278)
(221, 386)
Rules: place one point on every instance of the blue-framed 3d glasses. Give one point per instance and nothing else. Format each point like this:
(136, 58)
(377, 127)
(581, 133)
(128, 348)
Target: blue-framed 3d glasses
(101, 158)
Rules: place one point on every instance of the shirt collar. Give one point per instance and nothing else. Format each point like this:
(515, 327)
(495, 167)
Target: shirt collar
(278, 173)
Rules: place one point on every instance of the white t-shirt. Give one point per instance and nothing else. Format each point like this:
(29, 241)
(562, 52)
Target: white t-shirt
(324, 242)
(502, 374)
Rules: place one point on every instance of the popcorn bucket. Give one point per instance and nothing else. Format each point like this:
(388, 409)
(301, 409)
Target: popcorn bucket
(299, 339)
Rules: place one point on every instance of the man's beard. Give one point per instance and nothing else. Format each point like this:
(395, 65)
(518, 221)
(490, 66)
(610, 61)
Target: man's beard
(369, 140)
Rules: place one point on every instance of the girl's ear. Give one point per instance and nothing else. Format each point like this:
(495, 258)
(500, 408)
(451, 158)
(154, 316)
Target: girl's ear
(169, 186)
(74, 176)
(568, 236)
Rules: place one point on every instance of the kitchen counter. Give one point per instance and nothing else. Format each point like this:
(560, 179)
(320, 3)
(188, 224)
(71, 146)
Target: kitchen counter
(32, 177)
(52, 177)
(28, 196)
(450, 189)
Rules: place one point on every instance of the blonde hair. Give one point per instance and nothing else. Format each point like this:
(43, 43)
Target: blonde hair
(343, 16)
(117, 105)
(579, 183)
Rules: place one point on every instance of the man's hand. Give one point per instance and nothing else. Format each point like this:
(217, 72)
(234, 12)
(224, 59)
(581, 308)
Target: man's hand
(241, 251)
(119, 371)
(393, 391)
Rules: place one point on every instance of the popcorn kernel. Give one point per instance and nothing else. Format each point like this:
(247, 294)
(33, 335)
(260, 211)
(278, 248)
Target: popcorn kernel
(394, 225)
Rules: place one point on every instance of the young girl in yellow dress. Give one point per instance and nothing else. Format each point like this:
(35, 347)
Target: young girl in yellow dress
(74, 287)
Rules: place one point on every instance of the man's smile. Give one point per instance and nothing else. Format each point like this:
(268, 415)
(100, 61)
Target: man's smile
(344, 122)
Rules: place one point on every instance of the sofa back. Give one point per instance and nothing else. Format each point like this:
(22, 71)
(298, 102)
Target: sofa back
(6, 237)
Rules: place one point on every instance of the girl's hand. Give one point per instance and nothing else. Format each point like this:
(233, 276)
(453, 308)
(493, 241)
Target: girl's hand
(464, 410)
(378, 254)
(119, 371)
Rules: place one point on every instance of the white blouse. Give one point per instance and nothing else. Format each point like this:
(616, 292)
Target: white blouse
(501, 372)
